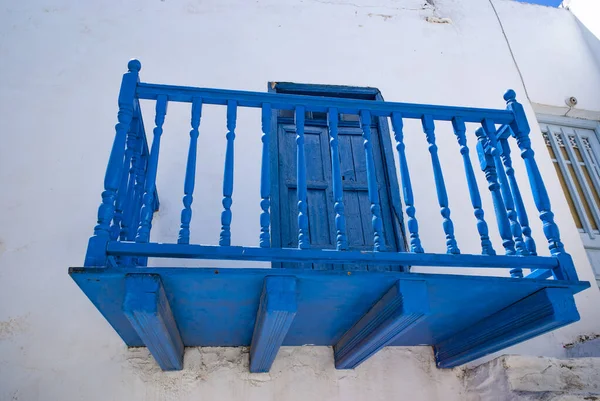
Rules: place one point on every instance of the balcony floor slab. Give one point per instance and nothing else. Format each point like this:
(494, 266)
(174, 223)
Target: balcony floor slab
(218, 306)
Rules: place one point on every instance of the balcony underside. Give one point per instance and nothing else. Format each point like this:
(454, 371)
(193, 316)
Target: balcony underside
(218, 307)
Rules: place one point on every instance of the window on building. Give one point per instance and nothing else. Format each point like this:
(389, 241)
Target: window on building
(575, 151)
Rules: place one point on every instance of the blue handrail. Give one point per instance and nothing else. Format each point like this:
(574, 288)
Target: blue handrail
(130, 197)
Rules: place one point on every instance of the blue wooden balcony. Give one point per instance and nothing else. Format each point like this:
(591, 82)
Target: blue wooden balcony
(357, 295)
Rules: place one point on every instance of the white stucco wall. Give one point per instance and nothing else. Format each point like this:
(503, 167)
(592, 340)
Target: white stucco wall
(587, 12)
(555, 54)
(59, 77)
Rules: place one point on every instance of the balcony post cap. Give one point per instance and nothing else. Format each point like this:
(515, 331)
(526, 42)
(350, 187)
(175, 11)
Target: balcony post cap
(134, 65)
(510, 96)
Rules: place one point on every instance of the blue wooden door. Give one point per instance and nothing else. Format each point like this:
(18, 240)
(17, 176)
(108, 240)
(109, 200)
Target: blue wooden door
(320, 196)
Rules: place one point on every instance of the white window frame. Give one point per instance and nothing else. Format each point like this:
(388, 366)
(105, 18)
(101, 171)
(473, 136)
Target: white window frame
(589, 237)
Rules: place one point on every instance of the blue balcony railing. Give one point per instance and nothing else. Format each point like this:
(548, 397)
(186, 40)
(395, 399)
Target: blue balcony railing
(366, 311)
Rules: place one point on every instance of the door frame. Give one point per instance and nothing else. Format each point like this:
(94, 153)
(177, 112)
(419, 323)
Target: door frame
(352, 92)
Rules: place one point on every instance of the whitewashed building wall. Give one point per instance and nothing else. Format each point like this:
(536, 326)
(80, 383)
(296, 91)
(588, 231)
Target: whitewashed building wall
(60, 68)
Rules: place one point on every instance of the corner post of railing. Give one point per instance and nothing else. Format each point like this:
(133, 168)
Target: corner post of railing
(521, 130)
(482, 228)
(265, 177)
(96, 253)
(505, 190)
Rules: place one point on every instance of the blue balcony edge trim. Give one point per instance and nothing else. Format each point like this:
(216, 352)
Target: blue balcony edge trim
(541, 312)
(147, 309)
(401, 308)
(190, 251)
(276, 312)
(218, 307)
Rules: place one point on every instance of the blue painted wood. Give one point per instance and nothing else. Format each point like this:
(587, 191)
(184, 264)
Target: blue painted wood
(303, 235)
(147, 309)
(119, 223)
(276, 312)
(319, 207)
(226, 215)
(336, 176)
(338, 91)
(320, 104)
(442, 195)
(517, 197)
(158, 250)
(190, 174)
(276, 234)
(543, 311)
(141, 154)
(539, 274)
(131, 206)
(265, 178)
(320, 195)
(393, 187)
(412, 224)
(505, 190)
(520, 129)
(400, 309)
(373, 190)
(121, 228)
(143, 233)
(487, 154)
(460, 130)
(220, 309)
(96, 255)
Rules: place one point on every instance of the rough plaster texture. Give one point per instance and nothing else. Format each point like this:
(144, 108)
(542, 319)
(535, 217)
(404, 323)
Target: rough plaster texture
(524, 378)
(299, 373)
(584, 346)
(59, 78)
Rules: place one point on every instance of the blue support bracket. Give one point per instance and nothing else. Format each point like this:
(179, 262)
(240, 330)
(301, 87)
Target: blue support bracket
(400, 309)
(275, 315)
(147, 309)
(543, 311)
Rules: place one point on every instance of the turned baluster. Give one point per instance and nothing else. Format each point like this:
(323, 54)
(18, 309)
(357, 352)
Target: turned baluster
(226, 215)
(460, 131)
(373, 190)
(440, 186)
(140, 164)
(511, 214)
(517, 198)
(190, 173)
(120, 224)
(303, 234)
(338, 191)
(265, 178)
(412, 224)
(487, 154)
(148, 201)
